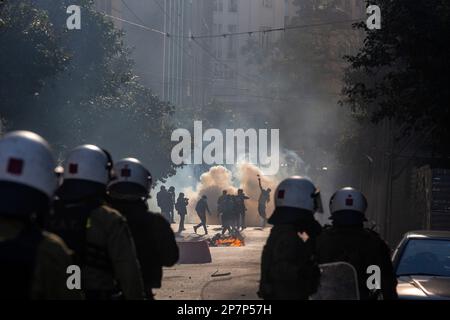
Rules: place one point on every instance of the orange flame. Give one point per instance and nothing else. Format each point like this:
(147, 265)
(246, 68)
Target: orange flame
(230, 242)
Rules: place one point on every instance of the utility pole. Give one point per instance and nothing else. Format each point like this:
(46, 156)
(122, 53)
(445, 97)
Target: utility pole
(173, 65)
(182, 53)
(177, 58)
(164, 53)
(169, 80)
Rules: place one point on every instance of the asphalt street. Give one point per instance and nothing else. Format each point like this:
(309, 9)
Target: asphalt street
(233, 273)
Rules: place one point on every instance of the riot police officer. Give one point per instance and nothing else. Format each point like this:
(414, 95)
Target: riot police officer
(347, 240)
(33, 263)
(288, 268)
(152, 234)
(98, 234)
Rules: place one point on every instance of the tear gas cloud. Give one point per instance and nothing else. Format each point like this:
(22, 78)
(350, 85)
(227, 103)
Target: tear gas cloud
(243, 175)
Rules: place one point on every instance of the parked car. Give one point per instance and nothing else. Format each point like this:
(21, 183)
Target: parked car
(422, 265)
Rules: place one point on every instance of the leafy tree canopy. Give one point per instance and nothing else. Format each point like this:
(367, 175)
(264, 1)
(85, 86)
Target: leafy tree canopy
(402, 71)
(77, 86)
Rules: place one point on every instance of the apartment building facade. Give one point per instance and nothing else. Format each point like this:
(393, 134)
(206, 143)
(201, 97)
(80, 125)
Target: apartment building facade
(235, 79)
(191, 73)
(174, 67)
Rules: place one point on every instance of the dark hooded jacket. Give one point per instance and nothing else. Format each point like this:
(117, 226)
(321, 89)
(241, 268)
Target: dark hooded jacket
(288, 268)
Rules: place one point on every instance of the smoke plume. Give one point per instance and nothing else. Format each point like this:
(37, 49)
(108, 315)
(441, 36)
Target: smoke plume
(243, 175)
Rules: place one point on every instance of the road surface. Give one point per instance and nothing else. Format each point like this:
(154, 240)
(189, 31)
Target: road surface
(233, 273)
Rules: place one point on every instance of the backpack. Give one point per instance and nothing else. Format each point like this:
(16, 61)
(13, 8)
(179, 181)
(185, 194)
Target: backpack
(70, 221)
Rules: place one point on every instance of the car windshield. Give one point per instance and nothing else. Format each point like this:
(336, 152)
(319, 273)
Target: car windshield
(425, 257)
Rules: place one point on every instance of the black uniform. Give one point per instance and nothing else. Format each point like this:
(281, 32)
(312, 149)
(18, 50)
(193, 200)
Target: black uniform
(289, 270)
(361, 248)
(154, 240)
(33, 263)
(104, 248)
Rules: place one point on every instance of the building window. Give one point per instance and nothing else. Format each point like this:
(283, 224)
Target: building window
(229, 74)
(223, 72)
(264, 37)
(233, 6)
(218, 5)
(231, 52)
(218, 70)
(218, 41)
(267, 3)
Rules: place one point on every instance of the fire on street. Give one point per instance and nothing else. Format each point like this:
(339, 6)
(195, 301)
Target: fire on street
(233, 273)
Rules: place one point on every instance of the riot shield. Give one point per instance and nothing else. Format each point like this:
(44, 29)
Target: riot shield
(338, 281)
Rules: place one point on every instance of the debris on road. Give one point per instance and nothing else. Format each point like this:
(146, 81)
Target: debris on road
(216, 274)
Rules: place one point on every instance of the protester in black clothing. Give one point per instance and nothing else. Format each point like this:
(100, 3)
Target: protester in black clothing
(264, 198)
(181, 206)
(240, 209)
(172, 203)
(228, 217)
(201, 208)
(163, 201)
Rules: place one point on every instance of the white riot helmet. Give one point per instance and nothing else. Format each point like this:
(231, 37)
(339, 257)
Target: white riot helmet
(88, 163)
(299, 193)
(348, 199)
(131, 171)
(26, 159)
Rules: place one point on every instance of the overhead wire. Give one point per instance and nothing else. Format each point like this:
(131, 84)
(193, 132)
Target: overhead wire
(231, 34)
(212, 55)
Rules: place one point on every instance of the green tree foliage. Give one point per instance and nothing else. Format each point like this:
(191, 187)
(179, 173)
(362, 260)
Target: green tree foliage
(29, 55)
(88, 93)
(402, 71)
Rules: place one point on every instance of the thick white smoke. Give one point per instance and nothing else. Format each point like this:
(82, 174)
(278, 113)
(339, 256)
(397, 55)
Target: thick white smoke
(243, 175)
